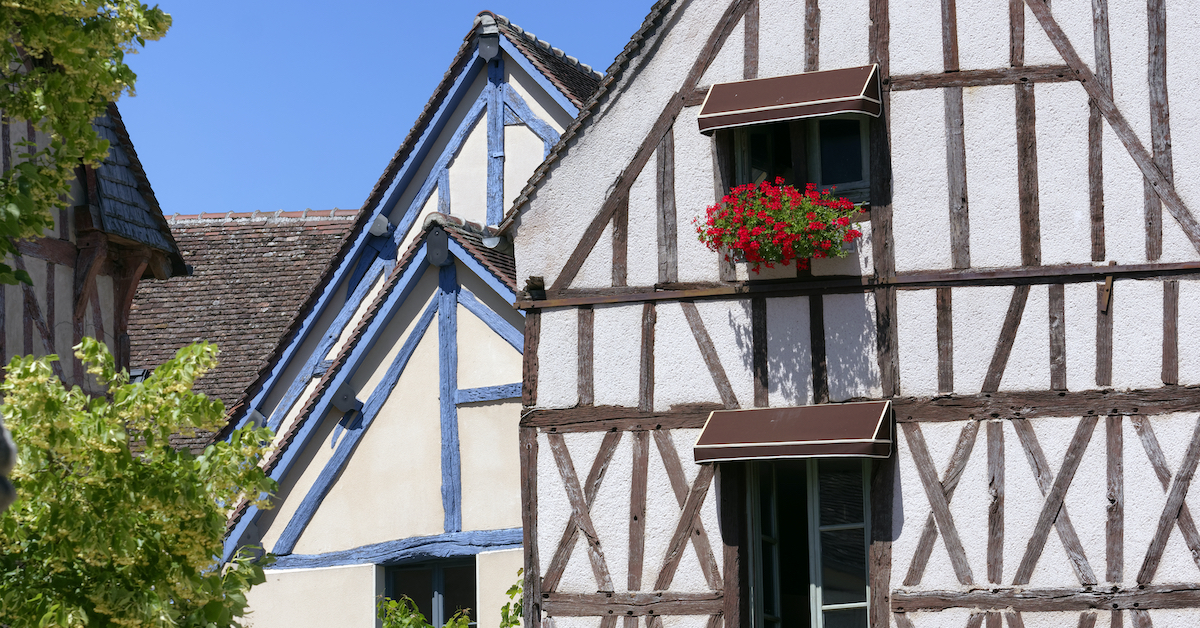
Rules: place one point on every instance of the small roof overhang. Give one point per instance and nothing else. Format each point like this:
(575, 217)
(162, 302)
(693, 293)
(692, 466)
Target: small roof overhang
(808, 95)
(841, 430)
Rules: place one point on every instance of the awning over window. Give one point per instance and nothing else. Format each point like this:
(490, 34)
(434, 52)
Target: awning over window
(831, 430)
(808, 95)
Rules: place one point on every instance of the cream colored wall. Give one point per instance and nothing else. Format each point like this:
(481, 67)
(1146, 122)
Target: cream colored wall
(495, 572)
(484, 358)
(523, 151)
(304, 473)
(540, 103)
(391, 487)
(391, 339)
(316, 598)
(491, 470)
(468, 175)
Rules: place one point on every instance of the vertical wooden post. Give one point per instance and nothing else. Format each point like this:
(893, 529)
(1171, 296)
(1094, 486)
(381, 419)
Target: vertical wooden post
(758, 332)
(1170, 341)
(812, 36)
(733, 538)
(1104, 334)
(1115, 526)
(585, 371)
(668, 250)
(495, 137)
(945, 341)
(529, 361)
(448, 376)
(750, 47)
(820, 373)
(1160, 122)
(1096, 128)
(882, 245)
(533, 579)
(995, 550)
(1058, 337)
(646, 373)
(620, 242)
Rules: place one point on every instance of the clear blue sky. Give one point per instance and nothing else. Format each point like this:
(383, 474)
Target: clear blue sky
(270, 105)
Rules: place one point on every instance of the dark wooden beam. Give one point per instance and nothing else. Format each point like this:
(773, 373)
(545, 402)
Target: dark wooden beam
(1033, 600)
(634, 603)
(529, 362)
(982, 78)
(532, 586)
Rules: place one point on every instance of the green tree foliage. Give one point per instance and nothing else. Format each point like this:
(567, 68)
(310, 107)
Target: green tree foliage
(103, 534)
(62, 62)
(513, 610)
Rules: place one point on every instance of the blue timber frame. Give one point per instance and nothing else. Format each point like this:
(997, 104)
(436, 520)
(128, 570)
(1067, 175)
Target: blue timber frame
(448, 382)
(448, 545)
(539, 78)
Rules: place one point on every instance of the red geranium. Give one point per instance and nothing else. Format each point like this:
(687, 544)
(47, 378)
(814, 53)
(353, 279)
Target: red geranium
(772, 222)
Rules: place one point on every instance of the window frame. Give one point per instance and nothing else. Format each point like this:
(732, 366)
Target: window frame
(754, 586)
(438, 613)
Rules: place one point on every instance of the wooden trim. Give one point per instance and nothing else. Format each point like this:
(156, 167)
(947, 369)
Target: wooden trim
(1004, 344)
(709, 352)
(1058, 337)
(1114, 529)
(585, 380)
(646, 368)
(529, 358)
(1140, 618)
(1087, 619)
(1116, 618)
(668, 245)
(1027, 176)
(949, 36)
(529, 520)
(447, 320)
(758, 351)
(945, 341)
(733, 527)
(1116, 120)
(816, 335)
(902, 620)
(909, 280)
(89, 258)
(49, 249)
(937, 500)
(1014, 620)
(633, 603)
(620, 243)
(953, 473)
(704, 554)
(982, 78)
(688, 525)
(750, 41)
(1054, 511)
(879, 570)
(637, 509)
(1170, 513)
(1160, 121)
(995, 548)
(1187, 527)
(579, 511)
(975, 620)
(1096, 180)
(566, 545)
(1170, 341)
(812, 36)
(1033, 600)
(1104, 335)
(956, 175)
(1016, 36)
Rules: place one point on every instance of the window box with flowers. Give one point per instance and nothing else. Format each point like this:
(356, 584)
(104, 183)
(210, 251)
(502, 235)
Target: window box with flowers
(772, 223)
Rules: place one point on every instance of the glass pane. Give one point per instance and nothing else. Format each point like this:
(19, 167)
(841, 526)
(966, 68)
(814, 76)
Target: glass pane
(766, 499)
(791, 505)
(848, 618)
(841, 152)
(770, 153)
(841, 491)
(768, 579)
(843, 566)
(416, 584)
(458, 591)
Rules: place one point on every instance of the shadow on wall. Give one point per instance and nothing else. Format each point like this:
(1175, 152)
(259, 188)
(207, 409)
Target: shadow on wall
(850, 346)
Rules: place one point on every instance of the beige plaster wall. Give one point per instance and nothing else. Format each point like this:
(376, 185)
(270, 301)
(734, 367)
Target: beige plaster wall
(491, 470)
(305, 471)
(523, 153)
(495, 572)
(316, 598)
(484, 358)
(468, 175)
(391, 487)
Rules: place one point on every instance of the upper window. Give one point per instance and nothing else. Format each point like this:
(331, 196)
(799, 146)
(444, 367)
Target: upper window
(809, 542)
(831, 152)
(439, 589)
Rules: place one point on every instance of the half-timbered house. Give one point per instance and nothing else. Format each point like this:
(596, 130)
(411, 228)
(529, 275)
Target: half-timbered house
(986, 415)
(395, 397)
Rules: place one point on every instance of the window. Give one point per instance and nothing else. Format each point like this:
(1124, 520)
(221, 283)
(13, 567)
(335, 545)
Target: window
(438, 589)
(831, 152)
(808, 542)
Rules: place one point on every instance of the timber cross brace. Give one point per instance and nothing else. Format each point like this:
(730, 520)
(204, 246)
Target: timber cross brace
(993, 599)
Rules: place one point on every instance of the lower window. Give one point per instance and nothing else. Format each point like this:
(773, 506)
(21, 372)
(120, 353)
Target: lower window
(439, 589)
(808, 538)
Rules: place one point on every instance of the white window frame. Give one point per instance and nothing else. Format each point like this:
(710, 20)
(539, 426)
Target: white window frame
(758, 614)
(859, 190)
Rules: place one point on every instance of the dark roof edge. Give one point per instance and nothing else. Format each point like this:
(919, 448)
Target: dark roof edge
(178, 267)
(512, 30)
(615, 72)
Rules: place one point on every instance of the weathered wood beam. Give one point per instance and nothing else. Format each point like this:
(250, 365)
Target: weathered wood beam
(90, 258)
(981, 78)
(636, 604)
(49, 249)
(700, 543)
(585, 379)
(995, 547)
(646, 364)
(1154, 452)
(939, 505)
(532, 588)
(1171, 511)
(950, 478)
(945, 341)
(566, 545)
(580, 511)
(709, 352)
(1032, 600)
(529, 358)
(750, 39)
(812, 36)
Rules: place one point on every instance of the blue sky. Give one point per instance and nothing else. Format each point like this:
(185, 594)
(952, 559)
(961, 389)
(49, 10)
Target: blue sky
(269, 105)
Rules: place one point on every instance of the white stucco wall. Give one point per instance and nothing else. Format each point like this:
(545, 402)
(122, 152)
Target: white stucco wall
(316, 598)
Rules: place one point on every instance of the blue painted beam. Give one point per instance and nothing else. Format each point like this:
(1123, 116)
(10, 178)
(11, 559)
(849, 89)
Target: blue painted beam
(443, 190)
(544, 132)
(449, 545)
(474, 114)
(448, 381)
(552, 91)
(333, 467)
(404, 286)
(489, 393)
(482, 271)
(497, 323)
(458, 89)
(510, 117)
(495, 140)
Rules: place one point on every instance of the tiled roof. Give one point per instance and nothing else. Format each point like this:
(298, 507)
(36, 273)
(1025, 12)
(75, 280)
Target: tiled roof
(469, 235)
(126, 204)
(251, 271)
(576, 80)
(636, 46)
(568, 72)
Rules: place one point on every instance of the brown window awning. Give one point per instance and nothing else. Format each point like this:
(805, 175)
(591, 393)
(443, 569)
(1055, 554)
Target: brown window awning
(860, 430)
(808, 95)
